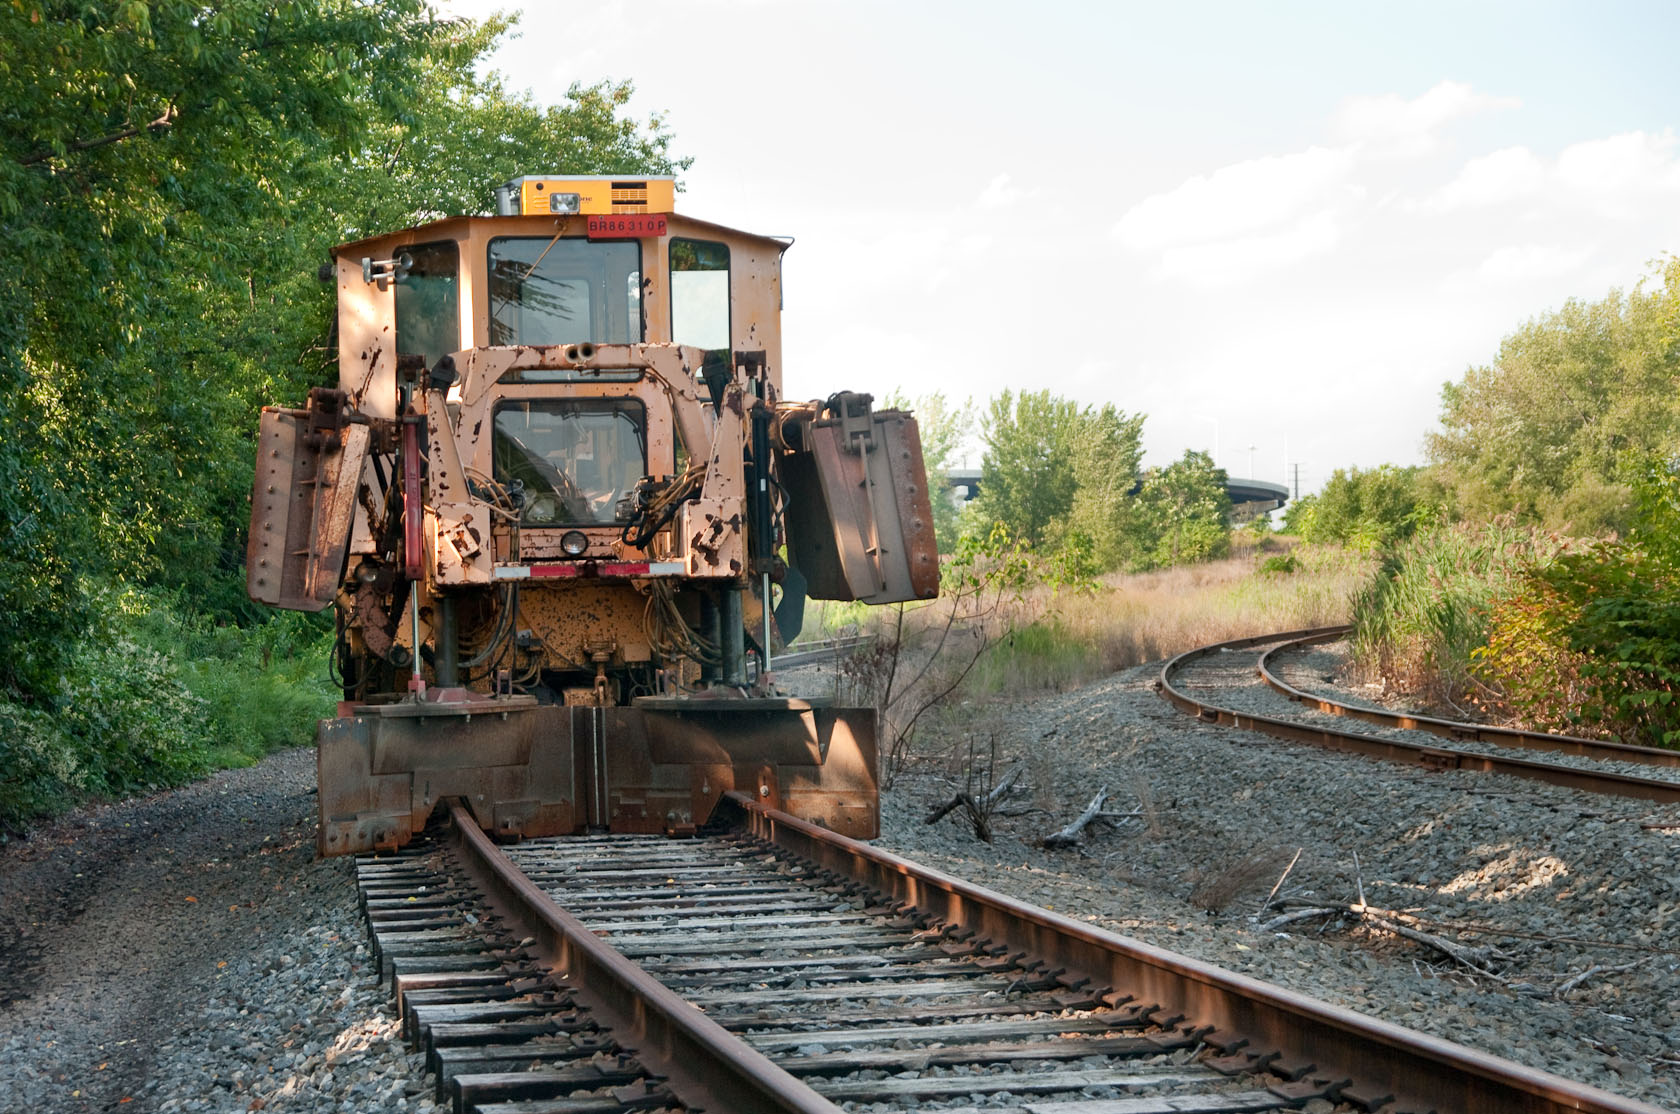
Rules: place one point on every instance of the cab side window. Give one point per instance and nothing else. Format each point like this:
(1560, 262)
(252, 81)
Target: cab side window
(428, 303)
(700, 293)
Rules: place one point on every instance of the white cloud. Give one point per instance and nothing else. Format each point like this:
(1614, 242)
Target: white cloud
(1528, 261)
(1235, 261)
(1518, 263)
(1617, 175)
(1504, 176)
(1237, 201)
(999, 193)
(1392, 125)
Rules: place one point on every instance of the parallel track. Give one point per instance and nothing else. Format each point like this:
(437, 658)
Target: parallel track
(775, 966)
(1401, 737)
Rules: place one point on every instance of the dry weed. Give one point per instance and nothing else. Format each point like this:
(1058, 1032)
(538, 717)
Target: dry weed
(1216, 890)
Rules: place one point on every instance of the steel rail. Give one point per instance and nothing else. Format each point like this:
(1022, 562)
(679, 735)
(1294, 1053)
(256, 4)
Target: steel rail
(703, 1064)
(826, 650)
(1377, 1060)
(1453, 729)
(1397, 750)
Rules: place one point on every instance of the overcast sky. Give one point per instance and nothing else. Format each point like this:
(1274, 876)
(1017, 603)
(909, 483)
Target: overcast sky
(1275, 225)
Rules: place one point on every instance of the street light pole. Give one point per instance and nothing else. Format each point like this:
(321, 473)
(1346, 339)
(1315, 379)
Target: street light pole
(1215, 421)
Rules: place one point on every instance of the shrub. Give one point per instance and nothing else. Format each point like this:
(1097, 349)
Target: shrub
(152, 696)
(1591, 642)
(1427, 608)
(124, 721)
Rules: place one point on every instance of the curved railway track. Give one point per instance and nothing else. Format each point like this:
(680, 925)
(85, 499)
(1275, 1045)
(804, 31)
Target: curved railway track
(774, 966)
(1206, 682)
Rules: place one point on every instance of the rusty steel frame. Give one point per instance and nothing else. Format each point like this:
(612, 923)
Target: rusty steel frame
(703, 1064)
(1395, 750)
(1422, 1072)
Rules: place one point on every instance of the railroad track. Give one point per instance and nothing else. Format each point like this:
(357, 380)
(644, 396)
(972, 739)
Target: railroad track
(822, 650)
(773, 966)
(1239, 683)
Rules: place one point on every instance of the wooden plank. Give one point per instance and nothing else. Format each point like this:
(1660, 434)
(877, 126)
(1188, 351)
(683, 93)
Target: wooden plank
(920, 1059)
(484, 1059)
(768, 924)
(448, 1034)
(1020, 1083)
(404, 985)
(758, 1019)
(473, 1090)
(594, 1105)
(794, 939)
(781, 963)
(383, 922)
(961, 1030)
(860, 991)
(1233, 1103)
(666, 910)
(456, 961)
(585, 899)
(426, 1016)
(771, 973)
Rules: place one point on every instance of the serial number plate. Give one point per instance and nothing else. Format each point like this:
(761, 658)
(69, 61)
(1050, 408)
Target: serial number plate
(626, 226)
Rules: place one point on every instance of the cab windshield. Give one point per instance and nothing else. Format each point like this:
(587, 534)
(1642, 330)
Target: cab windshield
(546, 290)
(575, 459)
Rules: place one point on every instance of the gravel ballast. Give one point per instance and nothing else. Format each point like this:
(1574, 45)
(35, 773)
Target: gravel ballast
(1569, 881)
(186, 952)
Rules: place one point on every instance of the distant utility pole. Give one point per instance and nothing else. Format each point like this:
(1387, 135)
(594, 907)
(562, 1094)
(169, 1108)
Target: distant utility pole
(1297, 467)
(1251, 449)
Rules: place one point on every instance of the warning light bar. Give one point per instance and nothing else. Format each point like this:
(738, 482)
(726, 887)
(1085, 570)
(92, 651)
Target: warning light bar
(588, 194)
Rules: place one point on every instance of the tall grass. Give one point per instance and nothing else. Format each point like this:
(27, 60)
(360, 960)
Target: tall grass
(1426, 609)
(1055, 641)
(1063, 641)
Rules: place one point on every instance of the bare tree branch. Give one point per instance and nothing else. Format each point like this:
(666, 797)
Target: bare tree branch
(162, 122)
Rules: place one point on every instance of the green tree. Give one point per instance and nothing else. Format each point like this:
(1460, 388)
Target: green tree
(1365, 508)
(1183, 513)
(131, 134)
(171, 176)
(1027, 482)
(1539, 431)
(1107, 452)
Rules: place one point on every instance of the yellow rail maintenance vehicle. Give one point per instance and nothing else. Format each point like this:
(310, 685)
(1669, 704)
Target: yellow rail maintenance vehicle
(560, 504)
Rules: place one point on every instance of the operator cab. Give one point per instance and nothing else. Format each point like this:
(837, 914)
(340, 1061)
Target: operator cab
(565, 261)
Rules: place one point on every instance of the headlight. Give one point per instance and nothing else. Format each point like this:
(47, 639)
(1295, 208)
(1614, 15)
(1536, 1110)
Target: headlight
(574, 542)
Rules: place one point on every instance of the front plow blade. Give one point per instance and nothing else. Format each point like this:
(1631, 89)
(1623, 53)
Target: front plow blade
(528, 770)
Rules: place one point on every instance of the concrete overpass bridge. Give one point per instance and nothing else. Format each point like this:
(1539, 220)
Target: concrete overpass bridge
(1248, 497)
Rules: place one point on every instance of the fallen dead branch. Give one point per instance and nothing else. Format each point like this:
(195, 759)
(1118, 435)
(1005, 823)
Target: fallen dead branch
(1069, 836)
(1596, 969)
(1478, 959)
(1301, 915)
